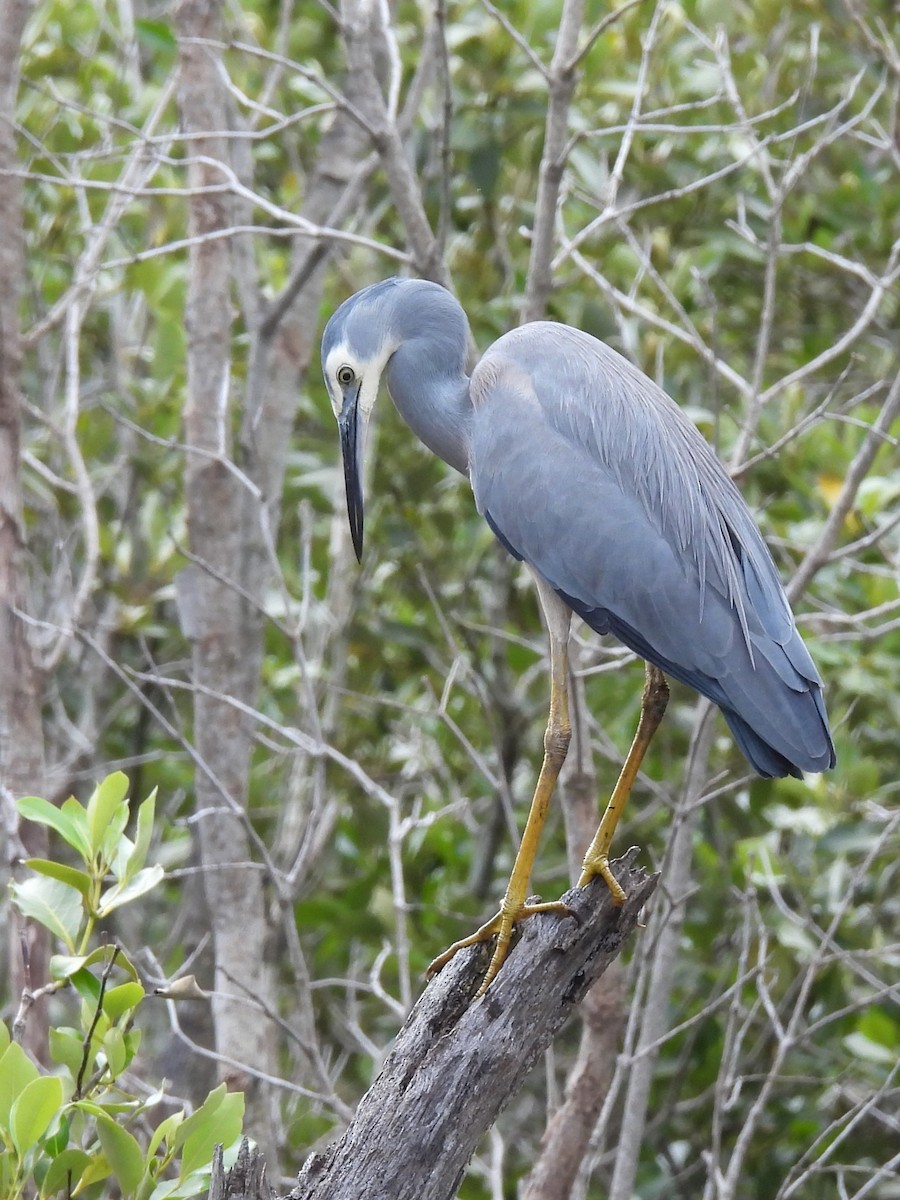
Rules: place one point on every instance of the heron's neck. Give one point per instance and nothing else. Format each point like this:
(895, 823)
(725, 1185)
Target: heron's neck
(431, 392)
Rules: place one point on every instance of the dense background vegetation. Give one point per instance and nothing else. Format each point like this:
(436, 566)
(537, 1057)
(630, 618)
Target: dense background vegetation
(342, 754)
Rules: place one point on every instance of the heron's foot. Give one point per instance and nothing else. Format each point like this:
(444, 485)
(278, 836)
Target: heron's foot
(502, 925)
(599, 865)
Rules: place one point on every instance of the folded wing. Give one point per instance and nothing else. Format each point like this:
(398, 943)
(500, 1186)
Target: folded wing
(591, 474)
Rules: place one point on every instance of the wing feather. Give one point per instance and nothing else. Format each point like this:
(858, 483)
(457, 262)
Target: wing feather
(590, 473)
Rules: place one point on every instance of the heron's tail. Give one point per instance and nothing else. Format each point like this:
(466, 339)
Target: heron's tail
(772, 702)
(772, 763)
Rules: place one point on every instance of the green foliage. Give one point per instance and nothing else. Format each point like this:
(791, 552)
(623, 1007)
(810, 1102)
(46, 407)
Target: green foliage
(69, 901)
(77, 1129)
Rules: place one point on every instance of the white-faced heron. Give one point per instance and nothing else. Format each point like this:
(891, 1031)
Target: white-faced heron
(589, 473)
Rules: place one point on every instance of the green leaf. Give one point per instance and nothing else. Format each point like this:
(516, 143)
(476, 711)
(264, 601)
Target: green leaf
(104, 808)
(195, 1184)
(133, 1038)
(17, 1071)
(218, 1119)
(87, 985)
(118, 856)
(63, 966)
(4, 1036)
(72, 826)
(76, 879)
(861, 1047)
(58, 1141)
(121, 999)
(76, 815)
(164, 1130)
(9, 1174)
(122, 1152)
(52, 904)
(67, 1049)
(97, 1168)
(876, 1024)
(123, 893)
(144, 831)
(876, 494)
(116, 847)
(114, 1049)
(70, 1164)
(33, 1111)
(154, 36)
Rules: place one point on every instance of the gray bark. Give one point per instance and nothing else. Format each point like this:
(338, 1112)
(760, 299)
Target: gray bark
(246, 1180)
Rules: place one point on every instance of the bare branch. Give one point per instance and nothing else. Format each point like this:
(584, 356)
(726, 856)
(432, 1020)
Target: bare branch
(601, 27)
(362, 32)
(819, 554)
(521, 41)
(561, 82)
(664, 938)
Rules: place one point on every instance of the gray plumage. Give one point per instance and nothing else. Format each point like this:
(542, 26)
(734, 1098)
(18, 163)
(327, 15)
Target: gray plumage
(591, 474)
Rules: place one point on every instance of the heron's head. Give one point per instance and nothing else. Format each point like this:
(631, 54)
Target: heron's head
(356, 345)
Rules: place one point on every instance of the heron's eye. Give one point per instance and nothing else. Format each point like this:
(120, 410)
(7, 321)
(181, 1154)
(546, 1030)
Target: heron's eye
(345, 376)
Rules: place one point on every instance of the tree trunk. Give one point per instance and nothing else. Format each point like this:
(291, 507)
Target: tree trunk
(215, 612)
(21, 730)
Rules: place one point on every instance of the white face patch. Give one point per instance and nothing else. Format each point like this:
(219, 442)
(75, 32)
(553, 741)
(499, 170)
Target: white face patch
(368, 373)
(338, 360)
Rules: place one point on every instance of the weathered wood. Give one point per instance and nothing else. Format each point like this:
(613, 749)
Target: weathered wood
(246, 1180)
(457, 1062)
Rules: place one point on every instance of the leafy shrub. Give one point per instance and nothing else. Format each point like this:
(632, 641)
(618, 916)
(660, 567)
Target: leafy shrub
(69, 1132)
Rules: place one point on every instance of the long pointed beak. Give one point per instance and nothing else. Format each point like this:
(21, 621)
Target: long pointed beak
(352, 439)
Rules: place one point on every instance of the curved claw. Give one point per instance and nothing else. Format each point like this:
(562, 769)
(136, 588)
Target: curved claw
(502, 924)
(600, 866)
(488, 929)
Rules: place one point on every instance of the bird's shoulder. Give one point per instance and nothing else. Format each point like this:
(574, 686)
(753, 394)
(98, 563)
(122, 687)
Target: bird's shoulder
(551, 360)
(587, 391)
(556, 381)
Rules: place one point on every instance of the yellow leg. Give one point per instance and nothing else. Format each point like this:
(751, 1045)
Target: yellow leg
(653, 706)
(514, 908)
